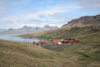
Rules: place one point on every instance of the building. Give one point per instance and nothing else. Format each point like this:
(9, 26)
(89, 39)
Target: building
(55, 41)
(70, 40)
(42, 42)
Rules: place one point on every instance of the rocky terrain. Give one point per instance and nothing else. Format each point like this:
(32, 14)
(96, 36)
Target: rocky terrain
(83, 22)
(84, 26)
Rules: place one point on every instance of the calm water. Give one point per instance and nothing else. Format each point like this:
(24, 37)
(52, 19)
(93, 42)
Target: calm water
(12, 37)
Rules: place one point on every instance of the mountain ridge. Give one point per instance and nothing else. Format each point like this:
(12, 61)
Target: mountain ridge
(69, 32)
(83, 21)
(1, 30)
(28, 29)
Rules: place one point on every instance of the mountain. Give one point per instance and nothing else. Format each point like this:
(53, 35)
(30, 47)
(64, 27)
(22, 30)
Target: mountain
(1, 30)
(28, 29)
(83, 22)
(83, 27)
(50, 27)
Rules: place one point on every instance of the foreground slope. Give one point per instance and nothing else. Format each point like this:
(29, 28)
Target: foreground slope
(84, 54)
(20, 54)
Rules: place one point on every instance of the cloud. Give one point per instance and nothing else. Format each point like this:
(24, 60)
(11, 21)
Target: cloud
(47, 1)
(3, 8)
(21, 12)
(50, 10)
(39, 22)
(9, 18)
(58, 16)
(59, 8)
(9, 21)
(50, 1)
(31, 21)
(6, 5)
(17, 2)
(40, 17)
(89, 4)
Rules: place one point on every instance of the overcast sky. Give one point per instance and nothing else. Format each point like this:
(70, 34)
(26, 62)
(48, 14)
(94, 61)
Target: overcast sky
(17, 13)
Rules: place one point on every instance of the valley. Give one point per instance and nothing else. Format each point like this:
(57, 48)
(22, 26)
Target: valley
(85, 53)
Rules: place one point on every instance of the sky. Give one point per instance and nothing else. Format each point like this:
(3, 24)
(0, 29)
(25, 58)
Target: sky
(17, 13)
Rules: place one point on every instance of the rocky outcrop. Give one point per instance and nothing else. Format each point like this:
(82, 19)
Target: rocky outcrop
(83, 21)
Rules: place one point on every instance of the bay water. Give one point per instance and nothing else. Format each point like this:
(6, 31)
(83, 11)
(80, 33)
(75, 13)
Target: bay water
(13, 37)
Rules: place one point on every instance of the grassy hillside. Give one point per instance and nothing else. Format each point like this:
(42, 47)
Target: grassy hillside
(64, 33)
(20, 54)
(85, 55)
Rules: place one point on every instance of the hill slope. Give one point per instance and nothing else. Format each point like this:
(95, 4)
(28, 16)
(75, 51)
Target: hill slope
(84, 26)
(87, 52)
(20, 54)
(81, 33)
(83, 21)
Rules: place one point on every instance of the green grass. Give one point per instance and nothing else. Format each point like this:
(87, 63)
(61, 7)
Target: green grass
(79, 53)
(64, 33)
(20, 54)
(85, 54)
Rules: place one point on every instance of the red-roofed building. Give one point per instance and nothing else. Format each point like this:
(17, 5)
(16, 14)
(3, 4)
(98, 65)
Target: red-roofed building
(70, 40)
(43, 42)
(55, 41)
